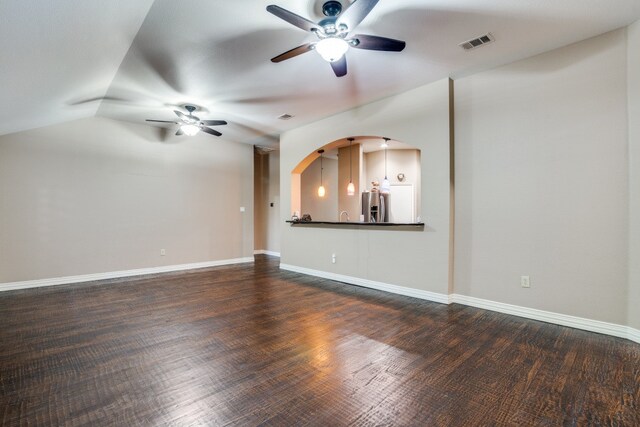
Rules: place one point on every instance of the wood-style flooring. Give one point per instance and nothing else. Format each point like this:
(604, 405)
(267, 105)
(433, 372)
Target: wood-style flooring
(252, 345)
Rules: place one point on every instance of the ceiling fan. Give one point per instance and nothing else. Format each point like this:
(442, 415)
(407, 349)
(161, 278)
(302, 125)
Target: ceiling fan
(190, 125)
(333, 33)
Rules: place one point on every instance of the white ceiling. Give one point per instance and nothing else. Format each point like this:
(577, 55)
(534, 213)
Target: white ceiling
(132, 60)
(55, 52)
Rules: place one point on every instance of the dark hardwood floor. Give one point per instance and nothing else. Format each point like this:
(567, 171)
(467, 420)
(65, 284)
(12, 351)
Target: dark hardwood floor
(250, 345)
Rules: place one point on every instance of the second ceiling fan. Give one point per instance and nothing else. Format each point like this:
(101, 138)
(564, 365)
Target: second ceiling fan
(190, 125)
(333, 33)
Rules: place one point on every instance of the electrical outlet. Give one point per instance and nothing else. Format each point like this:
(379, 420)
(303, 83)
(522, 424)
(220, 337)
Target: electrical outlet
(333, 258)
(163, 252)
(242, 209)
(525, 282)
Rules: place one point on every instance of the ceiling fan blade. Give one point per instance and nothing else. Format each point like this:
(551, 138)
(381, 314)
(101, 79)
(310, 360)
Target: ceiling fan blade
(161, 121)
(340, 66)
(293, 52)
(292, 18)
(213, 122)
(210, 131)
(179, 132)
(356, 13)
(378, 43)
(180, 114)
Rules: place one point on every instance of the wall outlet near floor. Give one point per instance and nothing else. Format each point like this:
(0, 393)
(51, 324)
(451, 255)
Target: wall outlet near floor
(525, 282)
(333, 258)
(242, 209)
(163, 252)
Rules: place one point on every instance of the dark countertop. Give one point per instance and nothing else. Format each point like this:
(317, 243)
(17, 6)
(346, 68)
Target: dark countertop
(359, 224)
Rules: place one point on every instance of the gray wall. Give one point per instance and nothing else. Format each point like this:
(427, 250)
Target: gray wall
(633, 76)
(97, 195)
(542, 181)
(415, 259)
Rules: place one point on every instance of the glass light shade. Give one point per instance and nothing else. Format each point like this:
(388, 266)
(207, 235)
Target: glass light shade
(321, 191)
(332, 49)
(190, 130)
(351, 189)
(385, 187)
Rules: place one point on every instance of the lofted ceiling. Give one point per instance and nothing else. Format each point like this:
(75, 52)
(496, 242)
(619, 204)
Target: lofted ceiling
(134, 60)
(54, 53)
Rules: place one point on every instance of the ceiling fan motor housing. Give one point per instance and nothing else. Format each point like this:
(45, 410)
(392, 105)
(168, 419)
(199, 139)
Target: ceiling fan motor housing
(332, 8)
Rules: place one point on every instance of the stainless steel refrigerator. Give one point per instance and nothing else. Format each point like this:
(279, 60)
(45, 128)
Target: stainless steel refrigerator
(375, 206)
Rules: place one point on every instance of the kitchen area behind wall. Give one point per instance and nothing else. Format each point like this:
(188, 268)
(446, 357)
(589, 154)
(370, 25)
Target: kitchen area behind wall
(403, 172)
(361, 163)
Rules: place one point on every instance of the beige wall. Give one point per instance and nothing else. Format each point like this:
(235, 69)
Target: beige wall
(415, 259)
(633, 77)
(542, 181)
(320, 208)
(97, 195)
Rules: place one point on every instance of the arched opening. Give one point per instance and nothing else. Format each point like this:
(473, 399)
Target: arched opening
(385, 181)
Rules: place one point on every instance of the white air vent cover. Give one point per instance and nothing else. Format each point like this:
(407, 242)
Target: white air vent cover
(477, 42)
(285, 117)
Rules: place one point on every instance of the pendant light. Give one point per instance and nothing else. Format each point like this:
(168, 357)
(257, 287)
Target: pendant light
(351, 189)
(385, 187)
(321, 190)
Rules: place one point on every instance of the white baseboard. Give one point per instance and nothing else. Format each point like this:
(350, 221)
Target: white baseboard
(394, 289)
(598, 326)
(10, 286)
(265, 252)
(612, 329)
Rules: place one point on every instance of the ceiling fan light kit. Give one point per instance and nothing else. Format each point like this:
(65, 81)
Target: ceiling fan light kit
(190, 130)
(333, 33)
(332, 49)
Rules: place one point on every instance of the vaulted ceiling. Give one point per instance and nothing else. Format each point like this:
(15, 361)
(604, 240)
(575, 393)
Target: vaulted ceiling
(132, 60)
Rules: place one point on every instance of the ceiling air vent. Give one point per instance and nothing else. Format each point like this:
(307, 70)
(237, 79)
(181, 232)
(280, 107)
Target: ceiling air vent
(477, 42)
(285, 117)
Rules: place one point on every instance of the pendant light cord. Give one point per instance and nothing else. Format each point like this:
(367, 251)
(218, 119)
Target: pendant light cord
(386, 144)
(385, 163)
(350, 161)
